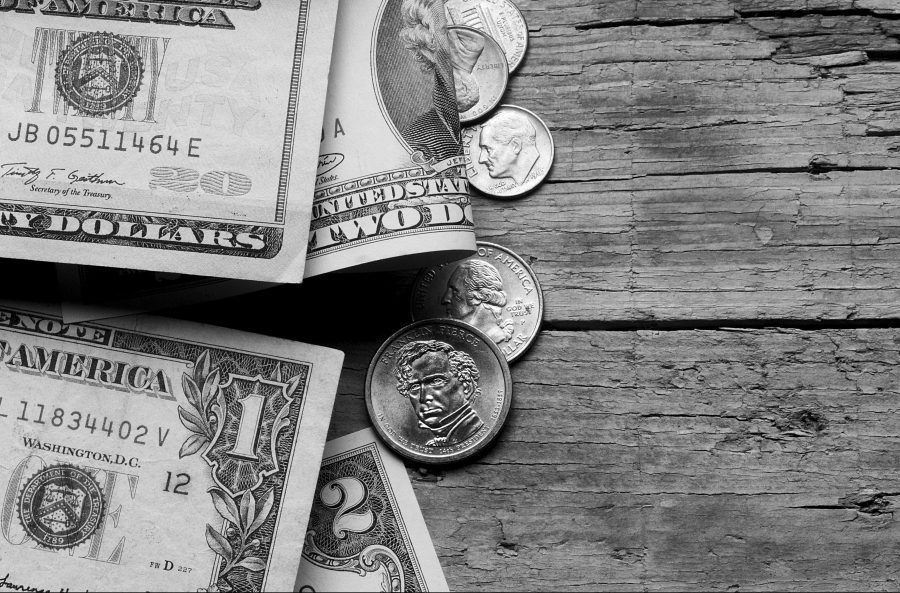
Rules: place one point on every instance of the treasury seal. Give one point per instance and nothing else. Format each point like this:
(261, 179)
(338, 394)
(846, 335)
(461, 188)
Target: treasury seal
(61, 507)
(99, 74)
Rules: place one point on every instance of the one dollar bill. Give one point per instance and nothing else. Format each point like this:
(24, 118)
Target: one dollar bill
(366, 532)
(156, 455)
(170, 136)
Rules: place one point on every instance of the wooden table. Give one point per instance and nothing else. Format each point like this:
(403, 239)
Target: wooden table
(712, 402)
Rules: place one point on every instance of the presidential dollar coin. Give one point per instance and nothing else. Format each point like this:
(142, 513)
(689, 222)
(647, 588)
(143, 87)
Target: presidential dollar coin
(494, 291)
(509, 154)
(438, 392)
(501, 19)
(480, 72)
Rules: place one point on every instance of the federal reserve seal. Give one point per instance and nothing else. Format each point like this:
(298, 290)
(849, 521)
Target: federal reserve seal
(61, 507)
(99, 73)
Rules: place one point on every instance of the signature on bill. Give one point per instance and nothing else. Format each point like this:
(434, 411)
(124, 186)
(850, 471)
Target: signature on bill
(30, 175)
(329, 162)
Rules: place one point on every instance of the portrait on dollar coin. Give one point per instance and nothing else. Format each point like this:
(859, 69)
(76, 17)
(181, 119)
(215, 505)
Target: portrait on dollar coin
(441, 383)
(508, 147)
(414, 64)
(476, 296)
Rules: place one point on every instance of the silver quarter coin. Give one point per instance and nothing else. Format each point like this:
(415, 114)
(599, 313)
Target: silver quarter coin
(510, 154)
(438, 391)
(480, 71)
(494, 291)
(500, 19)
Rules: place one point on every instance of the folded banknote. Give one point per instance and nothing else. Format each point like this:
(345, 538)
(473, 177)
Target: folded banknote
(169, 136)
(156, 455)
(366, 532)
(391, 190)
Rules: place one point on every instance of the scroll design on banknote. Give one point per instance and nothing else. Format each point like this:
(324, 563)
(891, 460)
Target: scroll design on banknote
(356, 526)
(237, 426)
(371, 560)
(132, 230)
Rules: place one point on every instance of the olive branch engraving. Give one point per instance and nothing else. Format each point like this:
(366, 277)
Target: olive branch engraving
(247, 519)
(245, 514)
(207, 402)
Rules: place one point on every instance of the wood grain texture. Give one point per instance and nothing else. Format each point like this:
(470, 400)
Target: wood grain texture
(724, 159)
(764, 460)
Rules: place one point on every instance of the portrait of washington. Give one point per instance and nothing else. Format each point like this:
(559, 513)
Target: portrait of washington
(423, 39)
(441, 383)
(509, 147)
(475, 295)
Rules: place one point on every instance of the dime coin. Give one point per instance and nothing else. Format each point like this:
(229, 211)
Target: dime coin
(510, 154)
(500, 19)
(479, 70)
(494, 291)
(438, 391)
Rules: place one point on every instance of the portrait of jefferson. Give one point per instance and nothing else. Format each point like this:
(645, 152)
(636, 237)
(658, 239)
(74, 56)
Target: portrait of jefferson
(441, 383)
(475, 295)
(509, 147)
(435, 133)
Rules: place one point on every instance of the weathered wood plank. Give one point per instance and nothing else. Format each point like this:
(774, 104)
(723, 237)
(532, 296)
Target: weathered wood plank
(726, 168)
(589, 13)
(644, 460)
(717, 247)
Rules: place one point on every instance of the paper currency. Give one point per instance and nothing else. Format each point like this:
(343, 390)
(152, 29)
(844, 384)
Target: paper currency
(169, 136)
(90, 293)
(156, 455)
(391, 190)
(366, 532)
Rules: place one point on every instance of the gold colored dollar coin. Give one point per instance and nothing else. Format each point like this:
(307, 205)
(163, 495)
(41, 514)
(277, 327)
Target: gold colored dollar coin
(438, 391)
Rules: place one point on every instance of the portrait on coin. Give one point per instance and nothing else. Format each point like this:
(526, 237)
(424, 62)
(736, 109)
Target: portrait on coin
(466, 49)
(441, 383)
(476, 296)
(509, 148)
(415, 66)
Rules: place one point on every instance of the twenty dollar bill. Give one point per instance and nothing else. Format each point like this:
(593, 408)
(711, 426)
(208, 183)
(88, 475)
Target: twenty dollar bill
(170, 136)
(156, 455)
(366, 532)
